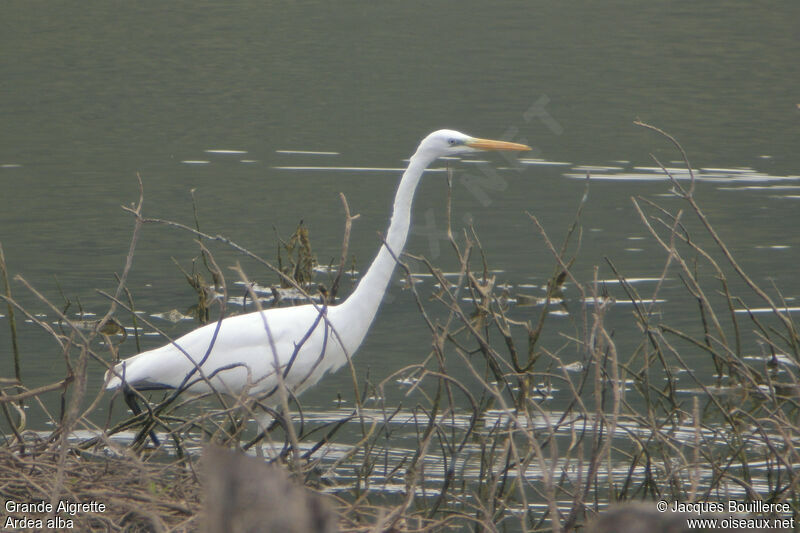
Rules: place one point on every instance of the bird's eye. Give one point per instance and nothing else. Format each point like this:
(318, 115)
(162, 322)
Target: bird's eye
(452, 142)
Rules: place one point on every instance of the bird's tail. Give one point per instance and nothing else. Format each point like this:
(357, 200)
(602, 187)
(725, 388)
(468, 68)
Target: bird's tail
(115, 375)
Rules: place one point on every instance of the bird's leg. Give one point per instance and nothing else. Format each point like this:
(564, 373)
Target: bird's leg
(130, 399)
(266, 422)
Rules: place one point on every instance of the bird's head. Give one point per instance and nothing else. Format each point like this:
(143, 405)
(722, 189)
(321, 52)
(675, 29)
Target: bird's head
(450, 143)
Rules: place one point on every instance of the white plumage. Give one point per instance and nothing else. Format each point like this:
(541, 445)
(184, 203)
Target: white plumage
(238, 354)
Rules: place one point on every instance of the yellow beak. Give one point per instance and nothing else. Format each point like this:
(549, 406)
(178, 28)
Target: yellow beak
(488, 144)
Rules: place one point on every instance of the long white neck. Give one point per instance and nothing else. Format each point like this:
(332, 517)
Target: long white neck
(362, 305)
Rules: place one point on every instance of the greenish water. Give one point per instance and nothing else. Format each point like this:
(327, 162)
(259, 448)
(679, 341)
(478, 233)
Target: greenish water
(93, 94)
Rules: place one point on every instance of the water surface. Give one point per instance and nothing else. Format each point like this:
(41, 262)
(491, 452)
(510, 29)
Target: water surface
(267, 112)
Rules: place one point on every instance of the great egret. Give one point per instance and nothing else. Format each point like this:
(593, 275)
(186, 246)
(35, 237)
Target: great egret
(239, 354)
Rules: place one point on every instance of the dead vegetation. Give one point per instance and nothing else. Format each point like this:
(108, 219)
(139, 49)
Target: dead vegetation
(507, 424)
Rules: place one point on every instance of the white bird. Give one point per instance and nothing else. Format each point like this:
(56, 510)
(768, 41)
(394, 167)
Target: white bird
(239, 354)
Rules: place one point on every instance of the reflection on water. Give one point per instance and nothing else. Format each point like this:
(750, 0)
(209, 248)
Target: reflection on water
(304, 152)
(711, 175)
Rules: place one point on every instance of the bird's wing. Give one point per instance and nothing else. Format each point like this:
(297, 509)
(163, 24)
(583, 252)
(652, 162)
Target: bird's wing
(232, 355)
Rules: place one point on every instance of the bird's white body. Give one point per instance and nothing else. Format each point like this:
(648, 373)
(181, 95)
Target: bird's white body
(239, 358)
(238, 355)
